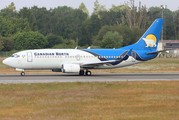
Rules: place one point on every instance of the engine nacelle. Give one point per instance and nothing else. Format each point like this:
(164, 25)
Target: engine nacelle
(70, 68)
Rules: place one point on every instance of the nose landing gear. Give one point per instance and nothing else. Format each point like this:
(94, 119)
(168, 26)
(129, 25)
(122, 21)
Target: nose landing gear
(22, 73)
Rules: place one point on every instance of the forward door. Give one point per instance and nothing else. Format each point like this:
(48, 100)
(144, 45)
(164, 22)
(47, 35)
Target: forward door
(29, 57)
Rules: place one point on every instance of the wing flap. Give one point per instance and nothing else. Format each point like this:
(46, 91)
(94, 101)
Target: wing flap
(93, 64)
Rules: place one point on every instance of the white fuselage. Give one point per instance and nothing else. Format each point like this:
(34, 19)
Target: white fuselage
(55, 58)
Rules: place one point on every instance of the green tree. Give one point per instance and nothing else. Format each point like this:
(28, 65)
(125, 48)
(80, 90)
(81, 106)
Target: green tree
(115, 40)
(73, 25)
(153, 13)
(20, 25)
(1, 45)
(118, 8)
(90, 28)
(43, 18)
(130, 35)
(98, 8)
(107, 43)
(7, 44)
(29, 40)
(176, 25)
(10, 10)
(53, 40)
(27, 13)
(64, 9)
(83, 8)
(135, 35)
(6, 27)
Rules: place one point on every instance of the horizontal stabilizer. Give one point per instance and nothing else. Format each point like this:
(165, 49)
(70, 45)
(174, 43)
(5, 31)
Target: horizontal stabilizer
(159, 51)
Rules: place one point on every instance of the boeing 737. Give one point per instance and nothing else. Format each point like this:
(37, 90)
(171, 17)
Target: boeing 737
(82, 60)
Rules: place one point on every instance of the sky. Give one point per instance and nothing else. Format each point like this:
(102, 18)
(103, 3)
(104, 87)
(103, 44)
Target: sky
(173, 5)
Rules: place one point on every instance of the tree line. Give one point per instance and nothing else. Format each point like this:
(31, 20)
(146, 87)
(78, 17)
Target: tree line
(66, 27)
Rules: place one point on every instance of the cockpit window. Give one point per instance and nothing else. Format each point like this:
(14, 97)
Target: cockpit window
(12, 55)
(15, 55)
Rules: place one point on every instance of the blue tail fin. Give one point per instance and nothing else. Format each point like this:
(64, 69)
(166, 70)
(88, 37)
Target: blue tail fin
(150, 39)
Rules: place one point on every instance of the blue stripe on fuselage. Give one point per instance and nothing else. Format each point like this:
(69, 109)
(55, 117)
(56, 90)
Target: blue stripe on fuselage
(139, 55)
(118, 59)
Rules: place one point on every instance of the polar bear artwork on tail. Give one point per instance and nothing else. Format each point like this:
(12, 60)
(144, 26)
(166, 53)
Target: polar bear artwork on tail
(150, 42)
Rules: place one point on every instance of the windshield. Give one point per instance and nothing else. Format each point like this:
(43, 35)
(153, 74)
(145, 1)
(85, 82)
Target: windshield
(15, 55)
(12, 55)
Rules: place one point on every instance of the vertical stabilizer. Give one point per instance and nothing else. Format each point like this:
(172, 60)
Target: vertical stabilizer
(151, 37)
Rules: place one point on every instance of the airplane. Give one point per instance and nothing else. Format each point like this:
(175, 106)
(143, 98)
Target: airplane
(82, 60)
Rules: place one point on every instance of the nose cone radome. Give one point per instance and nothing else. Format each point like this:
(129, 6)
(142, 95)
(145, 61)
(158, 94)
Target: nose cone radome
(6, 62)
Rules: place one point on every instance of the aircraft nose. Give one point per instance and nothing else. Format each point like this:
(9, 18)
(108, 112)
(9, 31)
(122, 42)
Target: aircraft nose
(6, 62)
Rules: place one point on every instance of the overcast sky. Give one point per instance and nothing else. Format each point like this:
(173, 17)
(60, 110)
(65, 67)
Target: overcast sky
(171, 4)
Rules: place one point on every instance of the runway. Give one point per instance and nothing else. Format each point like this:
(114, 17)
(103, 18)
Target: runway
(47, 78)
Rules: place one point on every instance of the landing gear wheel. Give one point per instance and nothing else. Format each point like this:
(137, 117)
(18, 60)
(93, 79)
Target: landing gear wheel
(22, 73)
(88, 73)
(81, 72)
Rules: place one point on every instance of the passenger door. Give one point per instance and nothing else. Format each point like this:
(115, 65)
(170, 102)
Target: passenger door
(29, 57)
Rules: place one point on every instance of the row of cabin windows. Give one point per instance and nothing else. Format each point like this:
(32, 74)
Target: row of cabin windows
(78, 57)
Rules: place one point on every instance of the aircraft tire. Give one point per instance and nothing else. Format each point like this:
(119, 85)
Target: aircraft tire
(81, 72)
(88, 73)
(22, 73)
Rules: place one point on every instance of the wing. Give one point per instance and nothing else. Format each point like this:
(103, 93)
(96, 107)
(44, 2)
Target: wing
(122, 57)
(95, 64)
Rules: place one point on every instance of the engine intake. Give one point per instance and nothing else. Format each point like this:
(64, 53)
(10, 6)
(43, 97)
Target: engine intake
(70, 68)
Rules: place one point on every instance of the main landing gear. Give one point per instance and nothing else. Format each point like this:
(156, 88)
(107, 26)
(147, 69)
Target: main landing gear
(87, 73)
(22, 73)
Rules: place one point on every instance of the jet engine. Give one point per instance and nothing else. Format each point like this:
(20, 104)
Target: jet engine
(70, 68)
